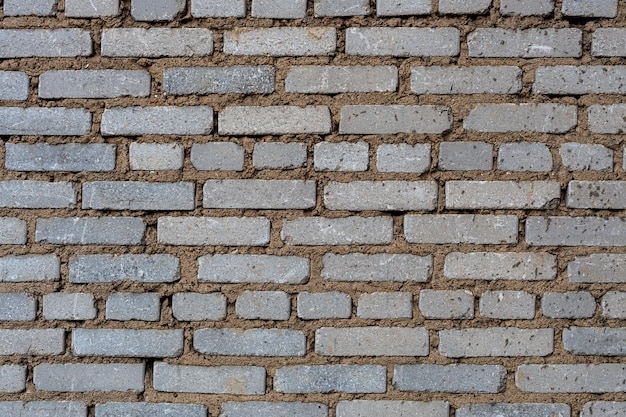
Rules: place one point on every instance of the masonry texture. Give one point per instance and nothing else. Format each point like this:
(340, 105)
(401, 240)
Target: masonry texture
(312, 208)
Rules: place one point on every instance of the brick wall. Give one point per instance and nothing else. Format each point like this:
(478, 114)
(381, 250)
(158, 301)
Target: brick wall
(323, 208)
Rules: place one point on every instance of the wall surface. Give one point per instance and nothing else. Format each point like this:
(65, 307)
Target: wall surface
(328, 208)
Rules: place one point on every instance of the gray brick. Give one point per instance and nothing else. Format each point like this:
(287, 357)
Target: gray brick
(94, 84)
(614, 305)
(523, 266)
(239, 380)
(609, 42)
(79, 377)
(403, 158)
(46, 43)
(341, 7)
(237, 269)
(354, 379)
(502, 194)
(281, 41)
(589, 8)
(381, 195)
(158, 120)
(568, 305)
(68, 306)
(218, 8)
(456, 378)
(496, 341)
(515, 409)
(157, 42)
(377, 268)
(375, 119)
(374, 408)
(143, 409)
(156, 156)
(30, 268)
(460, 228)
(525, 43)
(274, 120)
(599, 341)
(465, 156)
(371, 341)
(32, 342)
(575, 231)
(325, 305)
(72, 157)
(214, 231)
(132, 195)
(526, 8)
(131, 306)
(447, 305)
(13, 85)
(466, 80)
(268, 409)
(217, 156)
(597, 378)
(533, 157)
(385, 305)
(263, 305)
(525, 117)
(251, 342)
(43, 409)
(597, 267)
(578, 80)
(259, 194)
(342, 156)
(17, 306)
(507, 305)
(12, 379)
(191, 306)
(279, 9)
(586, 157)
(85, 269)
(608, 119)
(403, 7)
(93, 8)
(37, 194)
(30, 7)
(603, 409)
(277, 155)
(238, 79)
(596, 194)
(12, 231)
(403, 42)
(338, 231)
(156, 10)
(90, 231)
(464, 6)
(55, 121)
(127, 343)
(341, 79)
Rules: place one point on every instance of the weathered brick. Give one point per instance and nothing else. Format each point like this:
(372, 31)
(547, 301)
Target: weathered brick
(12, 379)
(279, 9)
(403, 158)
(447, 305)
(343, 156)
(608, 119)
(379, 267)
(43, 409)
(385, 305)
(17, 306)
(526, 8)
(533, 157)
(525, 117)
(30, 7)
(466, 80)
(86, 269)
(79, 377)
(90, 231)
(596, 194)
(465, 156)
(72, 157)
(314, 79)
(156, 10)
(589, 8)
(156, 42)
(325, 305)
(387, 408)
(132, 195)
(157, 120)
(525, 43)
(37, 194)
(371, 341)
(156, 156)
(30, 268)
(191, 306)
(127, 343)
(514, 409)
(614, 305)
(55, 121)
(263, 305)
(403, 7)
(217, 156)
(597, 378)
(45, 43)
(131, 306)
(524, 266)
(274, 120)
(93, 8)
(69, 306)
(496, 341)
(599, 341)
(597, 267)
(507, 305)
(218, 8)
(603, 409)
(464, 6)
(352, 379)
(236, 269)
(94, 83)
(143, 409)
(403, 42)
(460, 228)
(238, 79)
(456, 378)
(381, 195)
(13, 85)
(12, 231)
(575, 231)
(251, 342)
(259, 194)
(586, 157)
(608, 42)
(502, 194)
(281, 41)
(277, 155)
(239, 380)
(337, 8)
(394, 119)
(578, 80)
(338, 231)
(569, 305)
(224, 231)
(32, 342)
(268, 409)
